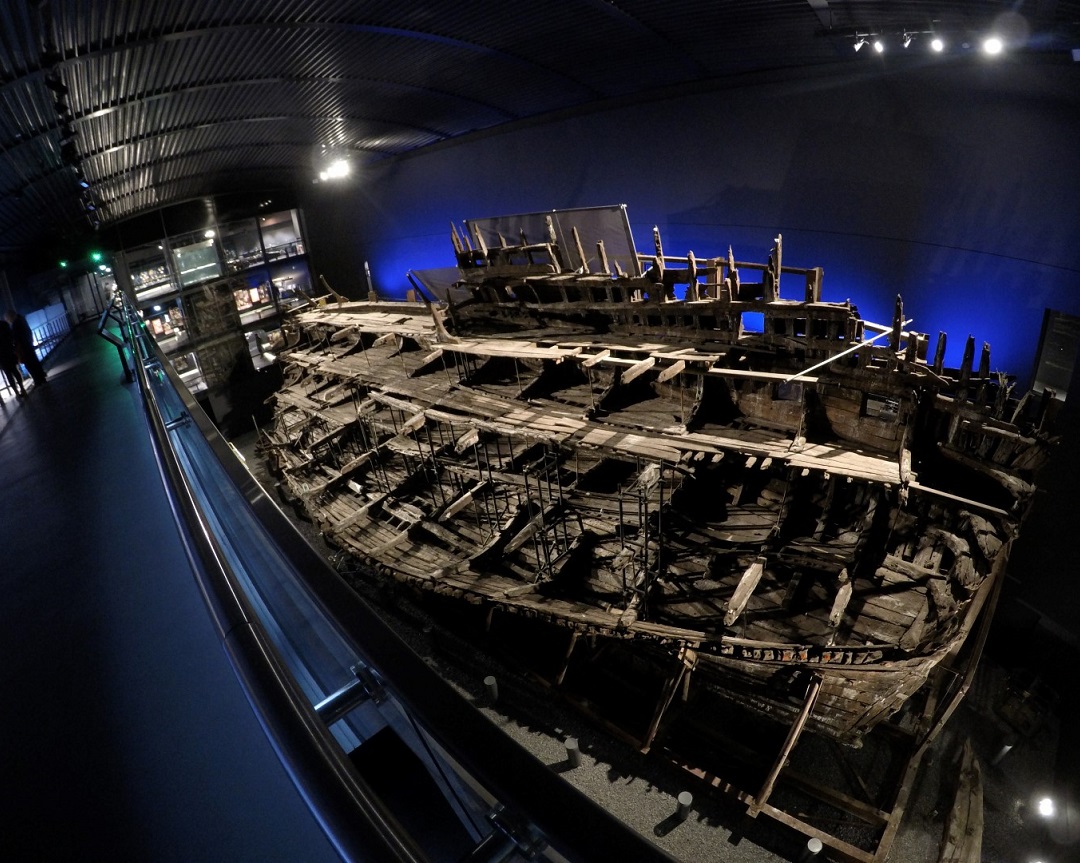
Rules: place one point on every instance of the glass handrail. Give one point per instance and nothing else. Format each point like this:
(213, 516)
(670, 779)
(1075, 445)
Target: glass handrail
(331, 680)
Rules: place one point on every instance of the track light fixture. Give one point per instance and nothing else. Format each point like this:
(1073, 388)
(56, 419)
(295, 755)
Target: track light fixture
(990, 43)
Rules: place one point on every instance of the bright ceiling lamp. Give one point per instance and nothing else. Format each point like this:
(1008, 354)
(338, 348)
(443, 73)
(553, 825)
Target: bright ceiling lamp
(335, 170)
(879, 46)
(937, 44)
(993, 45)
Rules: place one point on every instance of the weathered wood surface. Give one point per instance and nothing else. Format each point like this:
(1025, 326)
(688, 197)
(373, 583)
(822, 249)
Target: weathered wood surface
(961, 841)
(592, 451)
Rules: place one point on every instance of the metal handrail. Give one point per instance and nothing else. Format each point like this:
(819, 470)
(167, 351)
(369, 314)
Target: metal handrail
(335, 794)
(521, 789)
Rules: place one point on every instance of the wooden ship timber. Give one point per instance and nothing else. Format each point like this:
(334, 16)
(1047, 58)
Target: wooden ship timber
(800, 510)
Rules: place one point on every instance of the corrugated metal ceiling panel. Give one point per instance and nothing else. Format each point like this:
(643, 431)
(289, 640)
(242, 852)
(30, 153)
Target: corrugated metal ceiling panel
(153, 102)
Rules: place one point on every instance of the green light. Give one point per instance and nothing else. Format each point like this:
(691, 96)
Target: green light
(63, 265)
(96, 256)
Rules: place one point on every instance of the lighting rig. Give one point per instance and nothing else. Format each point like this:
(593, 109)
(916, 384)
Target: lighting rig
(1009, 30)
(51, 60)
(932, 41)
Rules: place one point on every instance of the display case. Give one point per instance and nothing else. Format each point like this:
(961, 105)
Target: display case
(166, 322)
(291, 281)
(149, 270)
(253, 296)
(187, 366)
(213, 298)
(195, 258)
(241, 245)
(281, 235)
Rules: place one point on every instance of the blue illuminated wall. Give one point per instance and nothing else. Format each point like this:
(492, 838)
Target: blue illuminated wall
(955, 184)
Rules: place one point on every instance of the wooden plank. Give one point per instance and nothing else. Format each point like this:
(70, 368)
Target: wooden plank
(961, 841)
(637, 370)
(671, 371)
(745, 588)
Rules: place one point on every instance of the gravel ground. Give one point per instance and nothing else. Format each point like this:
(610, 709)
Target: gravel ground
(642, 790)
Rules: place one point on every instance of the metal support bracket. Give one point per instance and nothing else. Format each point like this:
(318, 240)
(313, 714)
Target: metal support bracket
(364, 687)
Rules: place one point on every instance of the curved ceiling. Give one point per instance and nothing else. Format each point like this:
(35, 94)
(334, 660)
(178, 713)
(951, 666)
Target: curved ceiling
(110, 108)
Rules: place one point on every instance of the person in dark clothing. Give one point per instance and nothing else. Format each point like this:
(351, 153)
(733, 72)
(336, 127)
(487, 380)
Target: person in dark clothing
(8, 361)
(24, 345)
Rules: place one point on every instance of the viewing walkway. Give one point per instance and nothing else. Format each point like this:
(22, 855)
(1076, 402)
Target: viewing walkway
(126, 736)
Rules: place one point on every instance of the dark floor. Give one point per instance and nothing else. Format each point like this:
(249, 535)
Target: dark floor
(125, 735)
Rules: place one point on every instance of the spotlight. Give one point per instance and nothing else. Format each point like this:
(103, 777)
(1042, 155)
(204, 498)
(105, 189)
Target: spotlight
(993, 45)
(1046, 807)
(937, 44)
(209, 234)
(907, 40)
(859, 43)
(335, 170)
(879, 46)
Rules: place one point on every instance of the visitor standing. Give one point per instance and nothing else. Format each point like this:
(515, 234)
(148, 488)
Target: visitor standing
(25, 351)
(8, 361)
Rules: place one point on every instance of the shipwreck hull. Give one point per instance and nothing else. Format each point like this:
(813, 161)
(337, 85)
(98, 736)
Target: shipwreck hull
(754, 509)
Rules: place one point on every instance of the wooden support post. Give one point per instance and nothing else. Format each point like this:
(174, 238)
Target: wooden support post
(580, 249)
(897, 326)
(940, 353)
(762, 797)
(671, 685)
(984, 361)
(605, 267)
(566, 659)
(969, 358)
